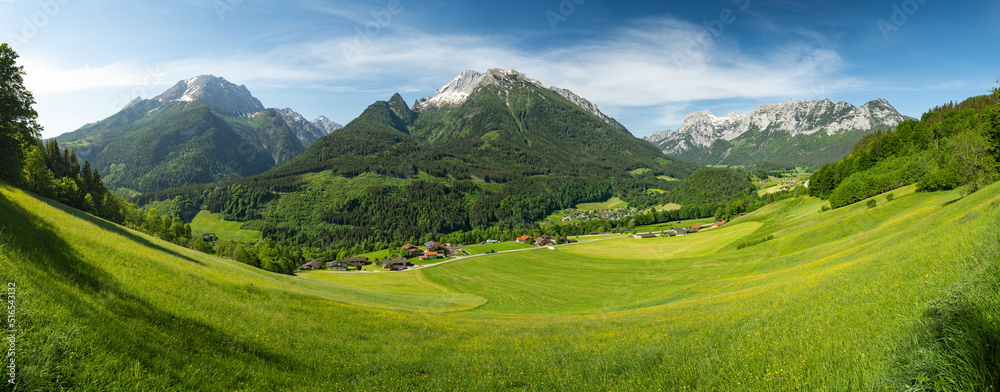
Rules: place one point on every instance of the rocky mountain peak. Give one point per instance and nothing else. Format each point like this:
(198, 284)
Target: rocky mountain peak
(458, 90)
(219, 94)
(701, 129)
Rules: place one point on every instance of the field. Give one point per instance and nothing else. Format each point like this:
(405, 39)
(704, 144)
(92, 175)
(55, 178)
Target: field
(834, 302)
(207, 222)
(499, 247)
(614, 202)
(671, 225)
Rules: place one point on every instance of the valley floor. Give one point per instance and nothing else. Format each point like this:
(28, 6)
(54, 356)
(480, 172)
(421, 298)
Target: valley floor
(831, 303)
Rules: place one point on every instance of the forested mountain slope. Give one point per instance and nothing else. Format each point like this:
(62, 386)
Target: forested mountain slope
(202, 130)
(511, 151)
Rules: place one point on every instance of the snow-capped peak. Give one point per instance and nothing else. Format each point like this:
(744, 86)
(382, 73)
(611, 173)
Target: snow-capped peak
(458, 90)
(218, 93)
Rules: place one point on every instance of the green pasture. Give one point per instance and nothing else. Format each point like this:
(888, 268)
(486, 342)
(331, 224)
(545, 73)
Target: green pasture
(614, 202)
(834, 302)
(207, 222)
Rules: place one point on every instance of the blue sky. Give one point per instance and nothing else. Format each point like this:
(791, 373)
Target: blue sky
(648, 64)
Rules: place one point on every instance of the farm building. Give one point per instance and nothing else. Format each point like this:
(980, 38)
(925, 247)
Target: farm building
(645, 235)
(358, 261)
(394, 264)
(338, 265)
(312, 265)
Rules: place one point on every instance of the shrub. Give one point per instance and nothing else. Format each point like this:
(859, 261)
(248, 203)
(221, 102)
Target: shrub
(890, 197)
(872, 203)
(941, 180)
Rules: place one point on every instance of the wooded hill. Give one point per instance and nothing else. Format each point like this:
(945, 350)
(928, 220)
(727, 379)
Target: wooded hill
(216, 131)
(508, 155)
(951, 146)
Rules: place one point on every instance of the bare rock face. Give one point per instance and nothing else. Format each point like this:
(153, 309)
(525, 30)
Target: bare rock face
(218, 93)
(456, 92)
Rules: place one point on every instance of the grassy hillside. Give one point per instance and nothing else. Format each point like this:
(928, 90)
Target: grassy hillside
(833, 302)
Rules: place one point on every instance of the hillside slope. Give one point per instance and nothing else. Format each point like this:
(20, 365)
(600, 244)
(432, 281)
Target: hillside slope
(830, 301)
(201, 130)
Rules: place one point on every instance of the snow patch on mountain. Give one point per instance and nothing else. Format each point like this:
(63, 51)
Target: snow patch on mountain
(701, 129)
(219, 94)
(456, 92)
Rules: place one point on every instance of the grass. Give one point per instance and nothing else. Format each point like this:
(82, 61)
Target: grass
(207, 222)
(668, 207)
(499, 247)
(671, 225)
(614, 202)
(836, 301)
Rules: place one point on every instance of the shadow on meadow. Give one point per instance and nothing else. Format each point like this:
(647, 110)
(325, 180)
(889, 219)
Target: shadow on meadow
(86, 315)
(111, 227)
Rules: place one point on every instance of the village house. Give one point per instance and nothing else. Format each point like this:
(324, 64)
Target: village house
(337, 266)
(394, 264)
(358, 261)
(312, 265)
(523, 239)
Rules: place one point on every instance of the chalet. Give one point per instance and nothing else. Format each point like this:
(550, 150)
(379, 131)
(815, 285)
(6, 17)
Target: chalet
(430, 255)
(394, 264)
(543, 242)
(645, 235)
(312, 265)
(358, 261)
(338, 265)
(524, 239)
(681, 231)
(697, 227)
(564, 240)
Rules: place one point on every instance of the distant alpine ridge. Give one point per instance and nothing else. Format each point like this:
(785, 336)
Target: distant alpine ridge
(790, 133)
(201, 130)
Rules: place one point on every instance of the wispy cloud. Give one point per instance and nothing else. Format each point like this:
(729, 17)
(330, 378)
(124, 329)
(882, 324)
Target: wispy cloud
(665, 63)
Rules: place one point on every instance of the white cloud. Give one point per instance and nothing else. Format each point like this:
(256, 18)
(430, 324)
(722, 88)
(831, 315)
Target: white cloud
(663, 64)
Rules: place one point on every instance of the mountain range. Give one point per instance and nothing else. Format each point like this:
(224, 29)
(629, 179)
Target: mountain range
(488, 147)
(808, 133)
(201, 130)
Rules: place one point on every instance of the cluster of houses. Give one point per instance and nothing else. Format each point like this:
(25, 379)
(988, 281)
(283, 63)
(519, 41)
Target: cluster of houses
(543, 240)
(680, 231)
(608, 214)
(346, 264)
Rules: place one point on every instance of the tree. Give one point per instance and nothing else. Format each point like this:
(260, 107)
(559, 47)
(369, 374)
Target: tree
(18, 129)
(39, 178)
(972, 151)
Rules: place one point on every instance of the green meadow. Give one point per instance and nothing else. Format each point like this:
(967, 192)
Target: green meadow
(836, 301)
(207, 222)
(614, 202)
